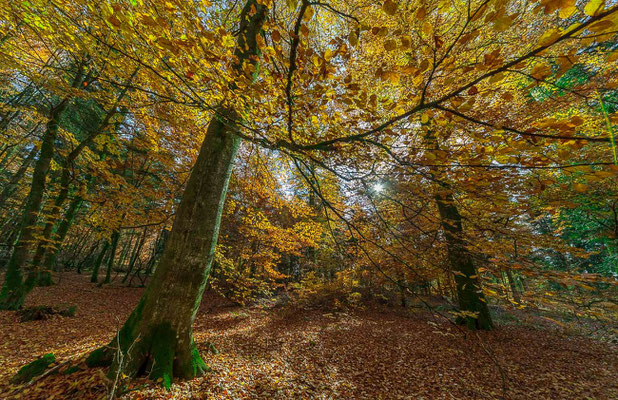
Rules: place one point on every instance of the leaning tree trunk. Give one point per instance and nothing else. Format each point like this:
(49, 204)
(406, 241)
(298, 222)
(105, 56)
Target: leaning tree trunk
(12, 184)
(112, 256)
(94, 278)
(43, 278)
(158, 335)
(51, 257)
(135, 254)
(14, 289)
(472, 305)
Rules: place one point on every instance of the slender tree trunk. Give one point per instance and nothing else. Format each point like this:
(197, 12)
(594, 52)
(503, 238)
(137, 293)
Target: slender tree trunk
(94, 278)
(88, 257)
(158, 335)
(472, 304)
(51, 257)
(12, 184)
(7, 155)
(14, 289)
(127, 248)
(135, 255)
(112, 256)
(509, 276)
(65, 180)
(58, 239)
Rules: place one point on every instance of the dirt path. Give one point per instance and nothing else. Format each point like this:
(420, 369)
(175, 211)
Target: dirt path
(296, 354)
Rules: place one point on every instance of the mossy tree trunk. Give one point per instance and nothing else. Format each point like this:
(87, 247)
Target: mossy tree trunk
(14, 289)
(127, 248)
(135, 255)
(158, 334)
(157, 338)
(43, 247)
(94, 278)
(112, 256)
(472, 304)
(11, 186)
(50, 258)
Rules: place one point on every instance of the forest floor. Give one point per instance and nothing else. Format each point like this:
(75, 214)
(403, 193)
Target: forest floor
(285, 353)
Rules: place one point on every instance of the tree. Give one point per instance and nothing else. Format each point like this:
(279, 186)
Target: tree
(15, 289)
(159, 331)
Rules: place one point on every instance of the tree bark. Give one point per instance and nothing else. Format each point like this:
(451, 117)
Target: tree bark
(65, 179)
(14, 289)
(112, 256)
(472, 304)
(51, 257)
(94, 278)
(158, 335)
(514, 291)
(135, 255)
(11, 185)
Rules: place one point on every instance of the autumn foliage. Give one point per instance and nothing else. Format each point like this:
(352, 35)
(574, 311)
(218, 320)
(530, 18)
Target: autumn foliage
(457, 157)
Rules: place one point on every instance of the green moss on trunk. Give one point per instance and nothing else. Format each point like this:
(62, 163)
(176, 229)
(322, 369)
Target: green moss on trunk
(45, 279)
(196, 366)
(473, 309)
(14, 290)
(101, 357)
(112, 256)
(94, 278)
(157, 337)
(34, 369)
(163, 346)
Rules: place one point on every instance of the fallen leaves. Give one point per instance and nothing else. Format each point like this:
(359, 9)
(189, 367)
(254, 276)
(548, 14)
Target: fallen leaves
(279, 353)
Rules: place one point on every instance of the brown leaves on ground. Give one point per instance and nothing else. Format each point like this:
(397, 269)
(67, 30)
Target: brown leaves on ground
(283, 353)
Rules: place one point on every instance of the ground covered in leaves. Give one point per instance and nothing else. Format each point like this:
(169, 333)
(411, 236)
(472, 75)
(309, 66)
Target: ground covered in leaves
(289, 353)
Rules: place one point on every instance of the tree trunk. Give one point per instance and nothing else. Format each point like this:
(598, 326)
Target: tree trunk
(157, 251)
(135, 255)
(65, 179)
(127, 248)
(94, 278)
(14, 290)
(12, 184)
(514, 291)
(158, 335)
(58, 239)
(112, 256)
(472, 304)
(87, 258)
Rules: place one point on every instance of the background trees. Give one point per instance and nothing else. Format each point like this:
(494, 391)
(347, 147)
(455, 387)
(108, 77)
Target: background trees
(454, 150)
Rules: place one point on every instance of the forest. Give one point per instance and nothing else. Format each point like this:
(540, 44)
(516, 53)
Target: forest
(308, 199)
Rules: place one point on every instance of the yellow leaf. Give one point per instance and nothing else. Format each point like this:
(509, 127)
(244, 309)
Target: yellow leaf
(503, 23)
(602, 26)
(390, 45)
(328, 54)
(308, 14)
(390, 7)
(421, 13)
(425, 118)
(549, 37)
(353, 38)
(541, 71)
(580, 188)
(553, 5)
(406, 41)
(594, 7)
(567, 12)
